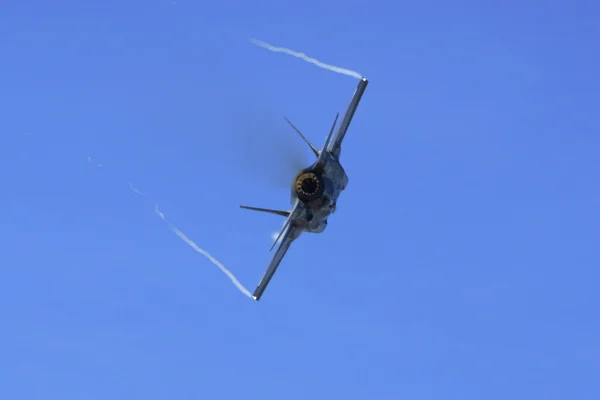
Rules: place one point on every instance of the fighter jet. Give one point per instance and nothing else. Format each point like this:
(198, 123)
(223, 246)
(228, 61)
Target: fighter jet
(315, 190)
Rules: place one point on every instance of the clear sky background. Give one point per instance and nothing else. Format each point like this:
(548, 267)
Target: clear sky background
(462, 262)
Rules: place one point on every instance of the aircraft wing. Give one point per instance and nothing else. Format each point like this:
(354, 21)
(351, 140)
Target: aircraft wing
(288, 234)
(334, 143)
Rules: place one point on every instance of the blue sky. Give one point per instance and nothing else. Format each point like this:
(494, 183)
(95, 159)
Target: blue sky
(462, 262)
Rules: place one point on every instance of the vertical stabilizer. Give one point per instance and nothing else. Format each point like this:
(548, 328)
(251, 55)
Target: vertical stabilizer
(312, 146)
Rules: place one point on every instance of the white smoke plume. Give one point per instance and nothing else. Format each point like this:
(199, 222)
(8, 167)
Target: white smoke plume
(204, 253)
(306, 58)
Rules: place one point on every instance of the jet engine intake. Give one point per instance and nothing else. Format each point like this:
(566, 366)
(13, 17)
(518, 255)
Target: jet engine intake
(309, 186)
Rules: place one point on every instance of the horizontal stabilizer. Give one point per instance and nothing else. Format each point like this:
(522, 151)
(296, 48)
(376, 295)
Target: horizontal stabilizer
(267, 210)
(312, 146)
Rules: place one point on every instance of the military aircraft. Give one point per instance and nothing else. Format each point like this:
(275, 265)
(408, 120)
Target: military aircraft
(315, 190)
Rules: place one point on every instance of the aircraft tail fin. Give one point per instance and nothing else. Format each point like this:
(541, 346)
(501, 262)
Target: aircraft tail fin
(312, 146)
(268, 210)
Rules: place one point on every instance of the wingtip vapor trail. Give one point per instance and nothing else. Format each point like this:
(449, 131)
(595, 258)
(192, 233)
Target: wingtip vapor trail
(136, 190)
(339, 70)
(205, 253)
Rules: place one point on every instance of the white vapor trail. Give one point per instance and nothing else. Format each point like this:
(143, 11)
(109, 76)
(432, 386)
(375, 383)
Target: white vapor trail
(90, 160)
(303, 56)
(203, 252)
(136, 190)
(275, 234)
